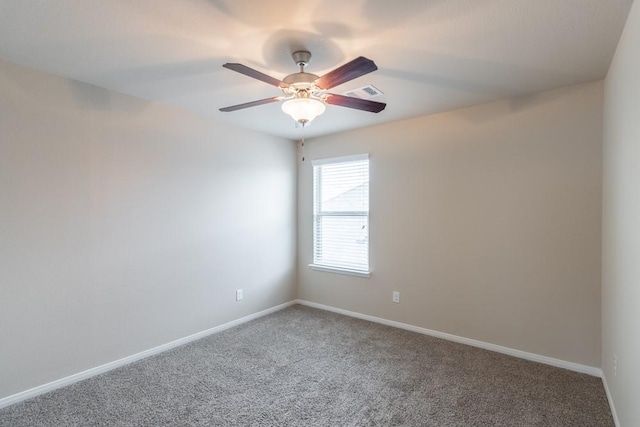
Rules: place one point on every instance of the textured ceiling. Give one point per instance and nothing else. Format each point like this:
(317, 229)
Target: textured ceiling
(433, 55)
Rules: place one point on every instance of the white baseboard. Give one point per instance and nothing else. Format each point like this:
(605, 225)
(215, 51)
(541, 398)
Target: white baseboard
(590, 370)
(610, 399)
(71, 379)
(36, 391)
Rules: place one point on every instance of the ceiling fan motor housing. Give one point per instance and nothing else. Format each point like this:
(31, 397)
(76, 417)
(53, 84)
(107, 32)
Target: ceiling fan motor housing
(301, 81)
(298, 78)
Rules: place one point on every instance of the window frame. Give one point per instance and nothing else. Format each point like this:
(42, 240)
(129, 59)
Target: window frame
(317, 213)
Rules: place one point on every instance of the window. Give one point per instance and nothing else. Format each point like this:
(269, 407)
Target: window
(341, 214)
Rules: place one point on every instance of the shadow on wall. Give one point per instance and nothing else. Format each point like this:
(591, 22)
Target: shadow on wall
(94, 98)
(513, 105)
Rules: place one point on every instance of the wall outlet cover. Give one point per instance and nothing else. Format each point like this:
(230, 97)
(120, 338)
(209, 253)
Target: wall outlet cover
(396, 297)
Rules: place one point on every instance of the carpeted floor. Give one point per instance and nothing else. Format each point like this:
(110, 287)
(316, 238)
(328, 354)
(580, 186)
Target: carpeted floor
(307, 367)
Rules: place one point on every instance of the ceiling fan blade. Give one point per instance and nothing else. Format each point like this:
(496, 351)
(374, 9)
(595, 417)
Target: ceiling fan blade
(349, 71)
(251, 104)
(357, 103)
(243, 69)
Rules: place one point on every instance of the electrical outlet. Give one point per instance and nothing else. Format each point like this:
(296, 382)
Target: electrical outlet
(615, 365)
(396, 297)
(238, 294)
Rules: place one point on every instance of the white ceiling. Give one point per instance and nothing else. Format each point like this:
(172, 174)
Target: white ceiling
(433, 55)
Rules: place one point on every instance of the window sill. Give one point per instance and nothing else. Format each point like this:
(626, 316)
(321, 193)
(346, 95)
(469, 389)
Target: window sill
(340, 270)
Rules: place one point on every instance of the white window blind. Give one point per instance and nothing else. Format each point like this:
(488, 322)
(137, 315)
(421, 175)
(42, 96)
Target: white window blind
(341, 213)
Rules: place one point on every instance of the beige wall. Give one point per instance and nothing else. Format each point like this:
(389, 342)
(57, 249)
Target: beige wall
(486, 219)
(621, 225)
(125, 225)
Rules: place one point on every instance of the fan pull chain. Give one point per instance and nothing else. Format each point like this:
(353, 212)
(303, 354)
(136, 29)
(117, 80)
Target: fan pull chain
(302, 143)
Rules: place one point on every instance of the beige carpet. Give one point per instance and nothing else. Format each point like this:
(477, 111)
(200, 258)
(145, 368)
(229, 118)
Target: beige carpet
(307, 367)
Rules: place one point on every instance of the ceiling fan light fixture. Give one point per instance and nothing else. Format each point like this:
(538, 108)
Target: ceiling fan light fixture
(303, 110)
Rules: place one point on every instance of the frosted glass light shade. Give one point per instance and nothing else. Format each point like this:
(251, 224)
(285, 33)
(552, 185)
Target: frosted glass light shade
(303, 110)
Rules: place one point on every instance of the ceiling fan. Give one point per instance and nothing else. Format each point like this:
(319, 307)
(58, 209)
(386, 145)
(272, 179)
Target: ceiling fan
(305, 94)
